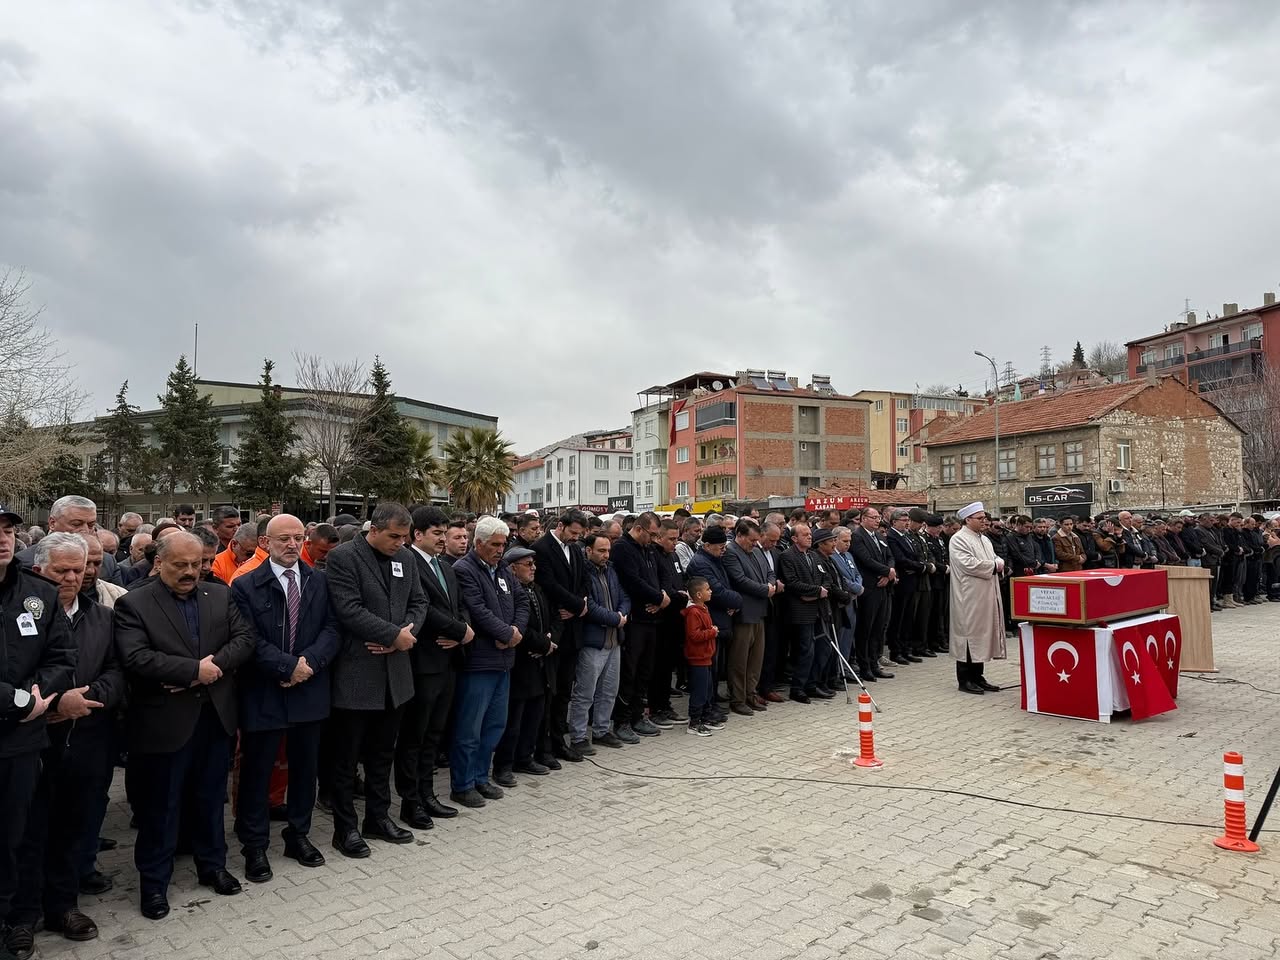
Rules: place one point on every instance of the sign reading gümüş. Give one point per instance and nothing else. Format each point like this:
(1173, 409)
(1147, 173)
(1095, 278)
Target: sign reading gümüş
(1059, 494)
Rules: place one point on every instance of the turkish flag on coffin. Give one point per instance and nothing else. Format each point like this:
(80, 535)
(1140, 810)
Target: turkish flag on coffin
(1144, 682)
(1066, 671)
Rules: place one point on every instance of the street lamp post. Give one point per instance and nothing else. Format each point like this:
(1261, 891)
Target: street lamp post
(995, 382)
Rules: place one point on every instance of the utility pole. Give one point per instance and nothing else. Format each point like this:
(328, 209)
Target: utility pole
(979, 353)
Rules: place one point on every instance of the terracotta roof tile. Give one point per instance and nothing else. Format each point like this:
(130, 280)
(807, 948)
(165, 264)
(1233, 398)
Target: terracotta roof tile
(1055, 411)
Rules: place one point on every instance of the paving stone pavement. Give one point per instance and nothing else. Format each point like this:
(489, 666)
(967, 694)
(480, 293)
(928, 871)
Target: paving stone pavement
(690, 847)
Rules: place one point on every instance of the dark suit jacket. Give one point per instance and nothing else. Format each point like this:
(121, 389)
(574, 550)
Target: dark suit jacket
(97, 663)
(529, 677)
(369, 611)
(156, 648)
(749, 577)
(264, 704)
(872, 557)
(564, 583)
(799, 571)
(723, 597)
(906, 559)
(493, 610)
(444, 618)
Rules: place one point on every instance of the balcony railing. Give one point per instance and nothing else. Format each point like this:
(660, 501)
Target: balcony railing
(1195, 356)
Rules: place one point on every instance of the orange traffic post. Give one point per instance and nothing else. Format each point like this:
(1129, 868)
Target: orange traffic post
(866, 739)
(1235, 837)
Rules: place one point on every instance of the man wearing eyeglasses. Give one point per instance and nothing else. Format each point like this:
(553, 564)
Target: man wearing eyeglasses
(284, 693)
(977, 619)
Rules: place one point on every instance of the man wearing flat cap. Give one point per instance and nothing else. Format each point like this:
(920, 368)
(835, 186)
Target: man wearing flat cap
(530, 678)
(977, 618)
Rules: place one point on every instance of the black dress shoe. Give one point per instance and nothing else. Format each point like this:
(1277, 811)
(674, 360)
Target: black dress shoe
(987, 686)
(20, 941)
(220, 882)
(155, 906)
(926, 652)
(868, 678)
(351, 844)
(819, 693)
(489, 791)
(386, 829)
(468, 798)
(912, 658)
(532, 767)
(304, 851)
(742, 710)
(439, 810)
(900, 661)
(257, 868)
(505, 778)
(799, 696)
(970, 687)
(73, 925)
(883, 674)
(550, 762)
(105, 844)
(96, 883)
(566, 752)
(415, 816)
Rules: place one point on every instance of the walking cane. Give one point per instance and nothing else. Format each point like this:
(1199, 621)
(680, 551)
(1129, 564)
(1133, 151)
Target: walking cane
(845, 677)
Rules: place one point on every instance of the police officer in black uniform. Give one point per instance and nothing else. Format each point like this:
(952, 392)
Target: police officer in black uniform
(36, 664)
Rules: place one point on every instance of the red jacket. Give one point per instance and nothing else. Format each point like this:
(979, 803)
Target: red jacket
(699, 636)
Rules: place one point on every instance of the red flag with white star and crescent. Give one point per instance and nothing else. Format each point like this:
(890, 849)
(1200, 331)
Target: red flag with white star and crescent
(1144, 681)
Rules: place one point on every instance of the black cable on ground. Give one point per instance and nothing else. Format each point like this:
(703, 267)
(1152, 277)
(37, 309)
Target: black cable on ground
(1230, 680)
(939, 791)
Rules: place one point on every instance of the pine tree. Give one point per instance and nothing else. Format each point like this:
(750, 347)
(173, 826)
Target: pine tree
(126, 462)
(267, 467)
(189, 450)
(385, 442)
(64, 475)
(1077, 356)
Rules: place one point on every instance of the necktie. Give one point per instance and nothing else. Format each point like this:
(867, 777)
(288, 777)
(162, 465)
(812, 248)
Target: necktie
(294, 600)
(435, 567)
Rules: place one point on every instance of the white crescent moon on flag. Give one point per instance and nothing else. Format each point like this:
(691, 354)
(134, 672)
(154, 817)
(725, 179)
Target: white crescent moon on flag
(1113, 581)
(1063, 645)
(1153, 647)
(1127, 649)
(1170, 643)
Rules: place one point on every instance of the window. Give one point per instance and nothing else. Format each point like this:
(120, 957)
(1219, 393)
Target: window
(1046, 460)
(1007, 469)
(624, 463)
(648, 489)
(1252, 331)
(602, 488)
(808, 420)
(602, 461)
(1073, 457)
(1148, 357)
(573, 461)
(613, 444)
(624, 488)
(715, 415)
(727, 484)
(1124, 460)
(682, 420)
(648, 458)
(560, 465)
(442, 435)
(969, 467)
(901, 403)
(902, 450)
(682, 488)
(548, 497)
(572, 491)
(1171, 351)
(226, 456)
(902, 424)
(682, 454)
(559, 491)
(879, 406)
(947, 469)
(807, 482)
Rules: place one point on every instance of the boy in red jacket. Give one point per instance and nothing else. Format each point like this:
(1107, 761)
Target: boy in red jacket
(700, 652)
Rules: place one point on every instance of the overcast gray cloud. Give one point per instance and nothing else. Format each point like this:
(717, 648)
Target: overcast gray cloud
(593, 197)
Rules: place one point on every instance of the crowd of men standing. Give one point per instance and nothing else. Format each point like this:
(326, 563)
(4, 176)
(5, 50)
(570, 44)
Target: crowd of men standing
(318, 665)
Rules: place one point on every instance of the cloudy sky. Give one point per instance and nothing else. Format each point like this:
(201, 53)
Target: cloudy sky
(536, 209)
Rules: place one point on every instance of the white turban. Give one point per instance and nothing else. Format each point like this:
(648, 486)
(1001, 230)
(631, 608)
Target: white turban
(964, 513)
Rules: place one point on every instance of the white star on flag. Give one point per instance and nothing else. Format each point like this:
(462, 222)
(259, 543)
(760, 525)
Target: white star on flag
(1063, 676)
(1136, 678)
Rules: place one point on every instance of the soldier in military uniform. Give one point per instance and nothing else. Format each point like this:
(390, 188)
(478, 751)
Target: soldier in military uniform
(36, 665)
(936, 633)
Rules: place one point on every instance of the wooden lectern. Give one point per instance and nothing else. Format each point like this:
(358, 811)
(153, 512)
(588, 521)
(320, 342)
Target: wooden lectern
(1189, 599)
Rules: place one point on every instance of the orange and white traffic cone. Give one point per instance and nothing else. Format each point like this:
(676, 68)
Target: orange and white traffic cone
(1233, 799)
(866, 739)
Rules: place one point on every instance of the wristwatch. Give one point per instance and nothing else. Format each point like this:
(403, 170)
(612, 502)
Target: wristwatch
(21, 699)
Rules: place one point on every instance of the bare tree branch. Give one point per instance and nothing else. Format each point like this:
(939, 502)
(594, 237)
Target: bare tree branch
(1255, 405)
(335, 409)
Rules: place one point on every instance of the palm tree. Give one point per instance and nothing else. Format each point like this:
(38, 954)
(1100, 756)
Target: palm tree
(424, 470)
(477, 469)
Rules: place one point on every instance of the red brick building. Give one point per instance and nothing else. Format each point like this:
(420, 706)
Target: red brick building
(764, 435)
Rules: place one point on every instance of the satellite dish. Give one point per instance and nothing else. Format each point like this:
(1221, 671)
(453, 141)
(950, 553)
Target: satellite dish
(717, 385)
